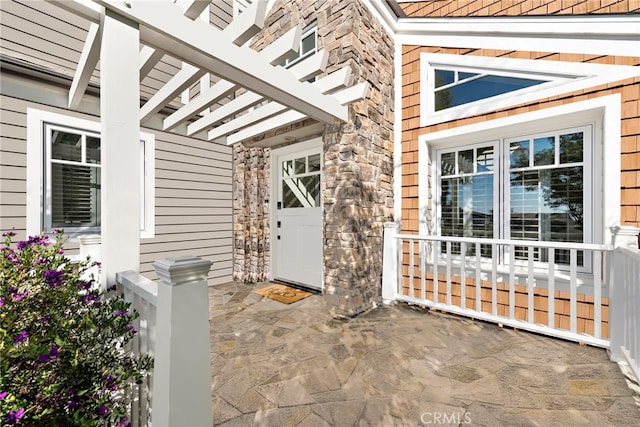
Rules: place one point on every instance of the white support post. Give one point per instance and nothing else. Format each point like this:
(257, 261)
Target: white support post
(120, 146)
(182, 366)
(622, 236)
(390, 263)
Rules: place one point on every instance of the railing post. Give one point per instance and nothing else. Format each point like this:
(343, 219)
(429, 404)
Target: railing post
(390, 263)
(90, 246)
(182, 367)
(622, 236)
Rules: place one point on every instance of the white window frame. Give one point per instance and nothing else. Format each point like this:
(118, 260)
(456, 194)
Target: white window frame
(501, 188)
(312, 29)
(564, 77)
(602, 113)
(38, 217)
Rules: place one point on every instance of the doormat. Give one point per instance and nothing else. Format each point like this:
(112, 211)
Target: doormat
(282, 293)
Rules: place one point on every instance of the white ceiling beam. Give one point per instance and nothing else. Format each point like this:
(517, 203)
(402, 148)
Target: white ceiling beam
(334, 81)
(345, 96)
(149, 57)
(236, 31)
(86, 65)
(88, 11)
(204, 46)
(304, 70)
(194, 8)
(276, 52)
(187, 76)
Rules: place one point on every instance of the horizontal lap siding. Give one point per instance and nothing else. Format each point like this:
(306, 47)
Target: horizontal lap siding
(459, 8)
(193, 205)
(193, 193)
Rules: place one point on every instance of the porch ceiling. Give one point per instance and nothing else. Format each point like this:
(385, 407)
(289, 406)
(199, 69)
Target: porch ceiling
(239, 86)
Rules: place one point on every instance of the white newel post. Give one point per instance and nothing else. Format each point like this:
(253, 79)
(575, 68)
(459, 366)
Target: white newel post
(119, 147)
(90, 247)
(390, 262)
(182, 367)
(622, 236)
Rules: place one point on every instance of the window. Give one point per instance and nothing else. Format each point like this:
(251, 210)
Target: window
(457, 86)
(308, 46)
(64, 190)
(530, 187)
(301, 182)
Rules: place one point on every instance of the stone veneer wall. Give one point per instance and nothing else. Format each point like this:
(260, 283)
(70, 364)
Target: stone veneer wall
(358, 155)
(251, 180)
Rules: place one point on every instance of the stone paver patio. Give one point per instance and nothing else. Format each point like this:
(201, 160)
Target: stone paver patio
(293, 365)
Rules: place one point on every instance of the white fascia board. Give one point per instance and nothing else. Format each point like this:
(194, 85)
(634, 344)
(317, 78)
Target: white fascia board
(149, 57)
(572, 76)
(334, 81)
(204, 46)
(345, 96)
(304, 70)
(88, 61)
(276, 51)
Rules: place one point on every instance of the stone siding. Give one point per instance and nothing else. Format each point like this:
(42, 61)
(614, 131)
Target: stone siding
(358, 155)
(251, 188)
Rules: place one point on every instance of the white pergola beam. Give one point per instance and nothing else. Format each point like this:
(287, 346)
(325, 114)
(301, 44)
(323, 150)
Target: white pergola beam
(83, 10)
(87, 63)
(202, 45)
(149, 57)
(194, 8)
(302, 71)
(274, 53)
(247, 24)
(345, 97)
(336, 80)
(187, 76)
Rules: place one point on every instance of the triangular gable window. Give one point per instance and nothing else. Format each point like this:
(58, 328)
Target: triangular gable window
(454, 88)
(457, 86)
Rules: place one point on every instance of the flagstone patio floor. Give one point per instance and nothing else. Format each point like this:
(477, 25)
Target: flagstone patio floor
(294, 365)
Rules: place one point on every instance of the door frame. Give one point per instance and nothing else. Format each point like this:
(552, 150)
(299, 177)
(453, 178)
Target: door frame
(273, 195)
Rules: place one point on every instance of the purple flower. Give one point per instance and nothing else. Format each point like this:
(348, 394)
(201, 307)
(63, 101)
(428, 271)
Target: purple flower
(124, 422)
(8, 233)
(104, 410)
(3, 395)
(1, 301)
(23, 335)
(39, 261)
(13, 417)
(53, 353)
(122, 313)
(44, 319)
(54, 278)
(130, 328)
(17, 297)
(43, 357)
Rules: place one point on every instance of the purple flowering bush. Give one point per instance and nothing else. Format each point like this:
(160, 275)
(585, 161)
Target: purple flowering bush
(62, 341)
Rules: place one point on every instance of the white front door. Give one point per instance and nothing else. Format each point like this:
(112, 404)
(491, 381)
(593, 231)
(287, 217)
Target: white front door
(298, 244)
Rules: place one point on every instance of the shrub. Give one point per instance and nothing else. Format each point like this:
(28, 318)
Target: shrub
(63, 342)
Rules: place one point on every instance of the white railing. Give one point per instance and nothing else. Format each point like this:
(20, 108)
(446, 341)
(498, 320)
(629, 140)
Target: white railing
(557, 289)
(178, 393)
(142, 294)
(625, 316)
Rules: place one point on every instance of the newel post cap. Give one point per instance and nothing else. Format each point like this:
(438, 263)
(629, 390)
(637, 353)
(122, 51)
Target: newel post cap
(181, 270)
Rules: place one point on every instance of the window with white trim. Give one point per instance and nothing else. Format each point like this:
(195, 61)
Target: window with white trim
(63, 191)
(457, 86)
(533, 187)
(308, 46)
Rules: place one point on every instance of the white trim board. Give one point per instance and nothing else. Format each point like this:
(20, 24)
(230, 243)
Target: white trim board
(567, 77)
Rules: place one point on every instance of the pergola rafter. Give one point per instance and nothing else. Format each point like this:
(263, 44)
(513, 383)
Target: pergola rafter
(173, 30)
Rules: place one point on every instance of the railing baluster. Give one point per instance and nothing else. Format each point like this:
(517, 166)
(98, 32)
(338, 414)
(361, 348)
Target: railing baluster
(423, 270)
(436, 258)
(463, 275)
(551, 291)
(512, 282)
(597, 294)
(448, 273)
(478, 279)
(411, 290)
(573, 286)
(530, 286)
(494, 279)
